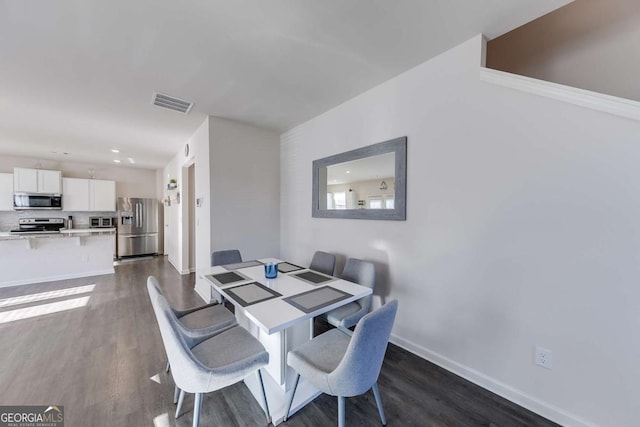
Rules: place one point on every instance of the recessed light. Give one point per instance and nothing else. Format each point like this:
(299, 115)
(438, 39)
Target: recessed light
(115, 151)
(348, 171)
(131, 160)
(116, 160)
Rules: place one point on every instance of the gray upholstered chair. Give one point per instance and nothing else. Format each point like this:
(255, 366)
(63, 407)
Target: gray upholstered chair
(345, 366)
(362, 273)
(203, 366)
(230, 256)
(198, 323)
(323, 262)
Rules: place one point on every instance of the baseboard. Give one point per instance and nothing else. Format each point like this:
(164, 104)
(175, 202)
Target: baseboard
(544, 409)
(56, 278)
(202, 292)
(181, 272)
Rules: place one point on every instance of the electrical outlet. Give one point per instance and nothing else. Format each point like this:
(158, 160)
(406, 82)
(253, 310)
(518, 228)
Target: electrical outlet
(543, 357)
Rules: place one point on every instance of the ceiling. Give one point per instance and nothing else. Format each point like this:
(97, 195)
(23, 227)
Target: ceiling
(77, 76)
(368, 168)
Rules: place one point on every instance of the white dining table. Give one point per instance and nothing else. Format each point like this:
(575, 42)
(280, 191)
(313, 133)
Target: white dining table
(279, 325)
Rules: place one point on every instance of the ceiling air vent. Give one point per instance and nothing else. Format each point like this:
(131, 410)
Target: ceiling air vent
(175, 104)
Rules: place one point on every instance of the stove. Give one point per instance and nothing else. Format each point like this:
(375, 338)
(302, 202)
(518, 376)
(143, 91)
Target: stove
(39, 226)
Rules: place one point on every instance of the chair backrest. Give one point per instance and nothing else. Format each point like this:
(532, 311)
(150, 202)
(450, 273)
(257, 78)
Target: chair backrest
(360, 272)
(191, 337)
(360, 366)
(153, 287)
(230, 256)
(188, 373)
(323, 262)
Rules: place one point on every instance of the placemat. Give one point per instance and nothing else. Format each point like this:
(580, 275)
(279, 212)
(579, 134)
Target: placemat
(244, 264)
(251, 293)
(317, 298)
(287, 267)
(223, 279)
(313, 277)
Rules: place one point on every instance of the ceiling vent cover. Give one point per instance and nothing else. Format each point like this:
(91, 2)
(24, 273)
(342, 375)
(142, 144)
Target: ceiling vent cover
(175, 104)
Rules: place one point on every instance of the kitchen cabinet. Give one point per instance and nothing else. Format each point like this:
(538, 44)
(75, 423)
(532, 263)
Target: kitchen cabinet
(6, 191)
(88, 194)
(36, 181)
(75, 194)
(102, 195)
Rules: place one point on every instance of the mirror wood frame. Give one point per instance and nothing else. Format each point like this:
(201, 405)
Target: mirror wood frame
(319, 170)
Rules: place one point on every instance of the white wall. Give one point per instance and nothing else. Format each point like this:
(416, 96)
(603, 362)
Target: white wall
(200, 143)
(237, 179)
(130, 182)
(245, 189)
(159, 196)
(522, 228)
(173, 214)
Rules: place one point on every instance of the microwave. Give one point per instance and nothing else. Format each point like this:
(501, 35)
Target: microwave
(29, 201)
(102, 222)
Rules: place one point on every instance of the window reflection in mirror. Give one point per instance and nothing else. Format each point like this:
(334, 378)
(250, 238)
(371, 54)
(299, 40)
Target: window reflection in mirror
(366, 183)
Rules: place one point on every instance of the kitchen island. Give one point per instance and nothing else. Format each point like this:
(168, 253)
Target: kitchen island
(33, 258)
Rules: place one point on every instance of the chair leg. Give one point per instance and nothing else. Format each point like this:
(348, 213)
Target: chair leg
(341, 411)
(168, 368)
(376, 393)
(264, 396)
(180, 400)
(197, 405)
(293, 392)
(176, 393)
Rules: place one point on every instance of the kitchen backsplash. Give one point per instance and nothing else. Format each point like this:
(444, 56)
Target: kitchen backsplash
(9, 219)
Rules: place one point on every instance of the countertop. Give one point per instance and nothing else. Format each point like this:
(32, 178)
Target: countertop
(74, 232)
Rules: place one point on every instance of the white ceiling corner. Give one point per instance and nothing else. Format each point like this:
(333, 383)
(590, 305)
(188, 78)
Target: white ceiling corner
(77, 75)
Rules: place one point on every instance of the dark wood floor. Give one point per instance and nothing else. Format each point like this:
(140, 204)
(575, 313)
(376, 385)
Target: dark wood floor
(97, 361)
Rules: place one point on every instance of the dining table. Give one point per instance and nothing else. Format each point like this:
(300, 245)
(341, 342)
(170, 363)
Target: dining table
(280, 313)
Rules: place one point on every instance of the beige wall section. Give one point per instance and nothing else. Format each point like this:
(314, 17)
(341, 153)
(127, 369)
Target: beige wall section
(130, 182)
(589, 44)
(245, 189)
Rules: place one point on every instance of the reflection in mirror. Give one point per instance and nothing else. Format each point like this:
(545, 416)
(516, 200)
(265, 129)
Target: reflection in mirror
(366, 183)
(362, 184)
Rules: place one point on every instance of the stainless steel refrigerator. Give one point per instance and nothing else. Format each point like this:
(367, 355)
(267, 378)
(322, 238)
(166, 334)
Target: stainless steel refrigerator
(137, 226)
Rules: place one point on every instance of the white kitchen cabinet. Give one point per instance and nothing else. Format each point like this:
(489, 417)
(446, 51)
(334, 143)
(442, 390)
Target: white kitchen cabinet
(75, 194)
(6, 191)
(36, 181)
(25, 180)
(88, 194)
(49, 182)
(102, 195)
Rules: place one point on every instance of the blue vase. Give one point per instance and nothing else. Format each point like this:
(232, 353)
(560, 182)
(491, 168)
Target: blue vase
(271, 270)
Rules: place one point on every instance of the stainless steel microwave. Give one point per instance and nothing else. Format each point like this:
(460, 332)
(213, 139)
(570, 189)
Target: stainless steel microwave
(30, 201)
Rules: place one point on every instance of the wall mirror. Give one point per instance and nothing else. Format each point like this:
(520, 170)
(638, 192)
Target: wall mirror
(366, 183)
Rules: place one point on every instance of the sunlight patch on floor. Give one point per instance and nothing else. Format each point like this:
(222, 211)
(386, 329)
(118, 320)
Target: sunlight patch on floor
(162, 420)
(42, 296)
(42, 309)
